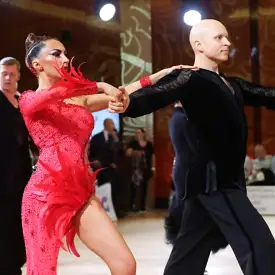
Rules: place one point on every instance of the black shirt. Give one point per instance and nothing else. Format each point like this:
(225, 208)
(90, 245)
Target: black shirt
(15, 161)
(216, 112)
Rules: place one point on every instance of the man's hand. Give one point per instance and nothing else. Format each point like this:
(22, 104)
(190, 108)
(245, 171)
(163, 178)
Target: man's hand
(119, 104)
(118, 97)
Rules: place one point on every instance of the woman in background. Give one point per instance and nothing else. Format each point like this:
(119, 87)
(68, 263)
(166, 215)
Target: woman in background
(141, 151)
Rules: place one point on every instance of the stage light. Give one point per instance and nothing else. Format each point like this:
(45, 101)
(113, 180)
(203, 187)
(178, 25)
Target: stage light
(192, 17)
(107, 12)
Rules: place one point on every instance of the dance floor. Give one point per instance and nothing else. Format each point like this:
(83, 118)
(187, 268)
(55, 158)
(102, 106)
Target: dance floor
(144, 234)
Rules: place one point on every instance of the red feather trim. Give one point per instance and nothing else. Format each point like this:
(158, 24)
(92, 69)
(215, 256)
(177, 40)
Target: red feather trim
(74, 79)
(65, 192)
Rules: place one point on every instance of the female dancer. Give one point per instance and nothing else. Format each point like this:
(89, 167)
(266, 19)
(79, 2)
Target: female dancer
(59, 199)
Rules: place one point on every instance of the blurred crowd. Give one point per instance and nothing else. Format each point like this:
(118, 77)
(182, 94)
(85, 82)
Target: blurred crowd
(260, 169)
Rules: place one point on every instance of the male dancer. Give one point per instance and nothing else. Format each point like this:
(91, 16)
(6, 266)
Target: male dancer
(216, 206)
(15, 169)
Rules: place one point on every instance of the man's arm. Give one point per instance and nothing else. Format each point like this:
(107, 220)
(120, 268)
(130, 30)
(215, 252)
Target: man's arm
(256, 95)
(169, 89)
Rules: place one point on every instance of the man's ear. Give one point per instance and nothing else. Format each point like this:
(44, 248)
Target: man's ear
(198, 46)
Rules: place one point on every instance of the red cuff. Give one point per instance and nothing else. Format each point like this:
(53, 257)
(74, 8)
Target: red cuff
(145, 81)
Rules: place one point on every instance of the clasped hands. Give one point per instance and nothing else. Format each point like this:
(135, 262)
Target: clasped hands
(119, 98)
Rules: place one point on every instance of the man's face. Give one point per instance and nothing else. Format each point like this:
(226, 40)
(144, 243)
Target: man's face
(140, 134)
(214, 43)
(109, 126)
(9, 76)
(260, 152)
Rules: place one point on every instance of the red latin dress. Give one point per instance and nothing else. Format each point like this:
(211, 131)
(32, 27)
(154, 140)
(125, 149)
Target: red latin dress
(62, 183)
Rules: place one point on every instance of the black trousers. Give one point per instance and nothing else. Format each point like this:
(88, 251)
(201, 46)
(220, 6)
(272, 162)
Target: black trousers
(231, 213)
(139, 195)
(172, 222)
(146, 179)
(12, 247)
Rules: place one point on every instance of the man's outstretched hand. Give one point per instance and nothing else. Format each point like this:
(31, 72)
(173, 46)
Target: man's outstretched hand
(120, 103)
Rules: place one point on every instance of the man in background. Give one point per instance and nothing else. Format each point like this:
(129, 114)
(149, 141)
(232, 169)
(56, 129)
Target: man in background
(263, 167)
(15, 169)
(104, 152)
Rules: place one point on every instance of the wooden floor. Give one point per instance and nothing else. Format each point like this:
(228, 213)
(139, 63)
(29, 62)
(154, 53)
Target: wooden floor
(144, 234)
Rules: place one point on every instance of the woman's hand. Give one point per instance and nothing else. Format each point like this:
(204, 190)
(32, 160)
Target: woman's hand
(106, 94)
(116, 96)
(109, 90)
(119, 105)
(169, 70)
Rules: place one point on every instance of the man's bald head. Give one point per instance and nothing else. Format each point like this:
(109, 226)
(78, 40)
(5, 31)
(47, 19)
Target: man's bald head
(203, 28)
(210, 38)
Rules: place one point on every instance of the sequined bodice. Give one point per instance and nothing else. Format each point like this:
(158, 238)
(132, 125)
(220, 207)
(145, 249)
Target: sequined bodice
(59, 125)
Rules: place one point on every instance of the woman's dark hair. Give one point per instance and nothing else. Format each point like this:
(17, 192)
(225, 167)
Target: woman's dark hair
(143, 132)
(34, 44)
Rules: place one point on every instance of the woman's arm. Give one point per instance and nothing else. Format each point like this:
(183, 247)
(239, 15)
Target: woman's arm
(107, 93)
(120, 98)
(31, 102)
(97, 102)
(154, 78)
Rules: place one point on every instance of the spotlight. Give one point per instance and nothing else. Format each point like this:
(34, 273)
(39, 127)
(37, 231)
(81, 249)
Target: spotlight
(192, 17)
(107, 12)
